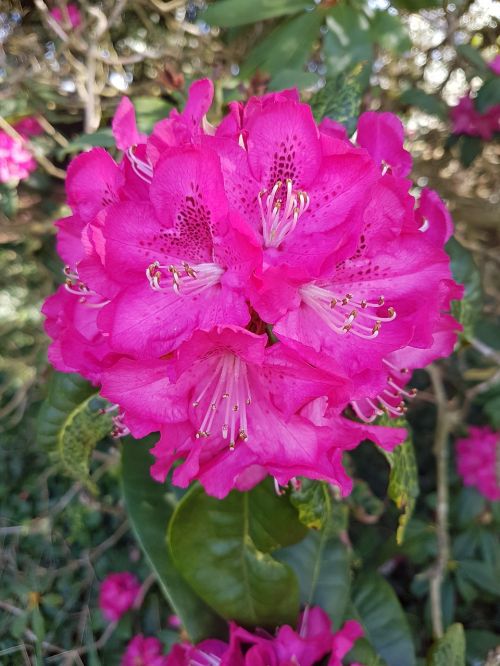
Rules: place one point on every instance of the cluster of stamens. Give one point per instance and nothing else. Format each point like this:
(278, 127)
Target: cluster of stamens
(74, 285)
(280, 214)
(346, 314)
(185, 278)
(230, 395)
(141, 169)
(390, 401)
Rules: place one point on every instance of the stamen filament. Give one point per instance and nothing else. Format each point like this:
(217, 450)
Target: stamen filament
(280, 218)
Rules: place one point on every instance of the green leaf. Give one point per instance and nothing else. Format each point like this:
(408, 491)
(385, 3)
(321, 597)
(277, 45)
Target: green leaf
(465, 272)
(416, 5)
(222, 549)
(488, 95)
(431, 104)
(473, 57)
(348, 40)
(292, 78)
(403, 486)
(149, 110)
(70, 424)
(286, 47)
(149, 509)
(492, 411)
(321, 563)
(364, 504)
(318, 509)
(482, 574)
(8, 200)
(470, 148)
(383, 619)
(232, 13)
(340, 99)
(478, 643)
(388, 31)
(364, 653)
(103, 138)
(450, 649)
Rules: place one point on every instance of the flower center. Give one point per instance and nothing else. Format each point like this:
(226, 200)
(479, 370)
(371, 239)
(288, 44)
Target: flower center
(228, 392)
(280, 211)
(390, 401)
(186, 279)
(346, 314)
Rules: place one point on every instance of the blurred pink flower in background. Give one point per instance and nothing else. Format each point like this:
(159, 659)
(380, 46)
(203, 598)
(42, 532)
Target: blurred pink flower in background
(478, 461)
(117, 594)
(143, 651)
(16, 161)
(467, 120)
(74, 15)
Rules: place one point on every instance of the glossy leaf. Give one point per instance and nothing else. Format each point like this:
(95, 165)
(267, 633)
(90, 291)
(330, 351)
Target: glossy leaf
(286, 47)
(292, 78)
(222, 548)
(149, 508)
(465, 272)
(232, 13)
(450, 649)
(340, 99)
(403, 486)
(70, 424)
(383, 619)
(321, 563)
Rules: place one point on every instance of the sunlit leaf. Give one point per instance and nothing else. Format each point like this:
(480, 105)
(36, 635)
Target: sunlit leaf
(450, 649)
(340, 99)
(71, 423)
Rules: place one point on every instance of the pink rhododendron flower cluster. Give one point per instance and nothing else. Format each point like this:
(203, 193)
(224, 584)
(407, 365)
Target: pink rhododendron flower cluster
(313, 641)
(117, 594)
(478, 461)
(241, 289)
(16, 161)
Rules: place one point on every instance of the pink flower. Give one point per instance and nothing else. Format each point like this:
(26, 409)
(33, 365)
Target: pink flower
(236, 288)
(478, 458)
(74, 15)
(16, 162)
(312, 641)
(143, 651)
(28, 126)
(117, 594)
(467, 120)
(494, 65)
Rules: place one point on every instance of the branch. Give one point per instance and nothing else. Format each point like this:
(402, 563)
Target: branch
(438, 571)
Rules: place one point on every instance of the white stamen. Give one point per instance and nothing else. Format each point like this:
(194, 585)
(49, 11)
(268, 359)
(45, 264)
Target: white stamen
(425, 225)
(389, 400)
(280, 218)
(228, 383)
(142, 169)
(186, 279)
(345, 314)
(74, 285)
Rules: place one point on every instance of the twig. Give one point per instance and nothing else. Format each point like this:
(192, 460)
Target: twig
(438, 571)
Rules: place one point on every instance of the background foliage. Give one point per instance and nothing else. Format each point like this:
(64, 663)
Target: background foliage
(71, 511)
